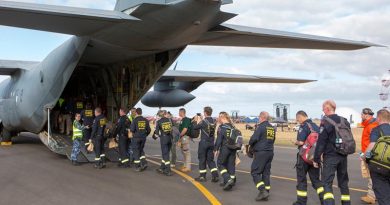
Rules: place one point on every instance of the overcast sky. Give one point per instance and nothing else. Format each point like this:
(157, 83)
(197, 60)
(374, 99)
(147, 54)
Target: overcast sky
(351, 78)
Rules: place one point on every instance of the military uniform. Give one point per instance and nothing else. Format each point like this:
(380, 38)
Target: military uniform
(77, 137)
(141, 129)
(227, 157)
(304, 168)
(381, 182)
(99, 124)
(206, 148)
(87, 118)
(164, 130)
(262, 143)
(121, 131)
(333, 161)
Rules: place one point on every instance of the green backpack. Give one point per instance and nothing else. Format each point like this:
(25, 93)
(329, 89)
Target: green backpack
(380, 160)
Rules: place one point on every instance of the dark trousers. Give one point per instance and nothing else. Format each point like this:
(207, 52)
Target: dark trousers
(99, 149)
(138, 145)
(166, 145)
(227, 163)
(331, 165)
(261, 169)
(206, 158)
(87, 134)
(303, 169)
(381, 185)
(123, 146)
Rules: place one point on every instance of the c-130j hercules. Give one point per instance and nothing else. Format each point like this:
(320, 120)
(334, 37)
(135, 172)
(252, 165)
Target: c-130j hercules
(119, 55)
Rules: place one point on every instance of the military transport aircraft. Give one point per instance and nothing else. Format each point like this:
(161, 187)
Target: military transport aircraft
(117, 56)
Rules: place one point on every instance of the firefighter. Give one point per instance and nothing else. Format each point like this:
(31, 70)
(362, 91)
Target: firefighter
(98, 126)
(226, 156)
(332, 161)
(141, 129)
(380, 174)
(87, 118)
(206, 146)
(305, 129)
(262, 143)
(120, 132)
(164, 131)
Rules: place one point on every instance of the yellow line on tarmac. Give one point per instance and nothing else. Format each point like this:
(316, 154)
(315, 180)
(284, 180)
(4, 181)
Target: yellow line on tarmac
(212, 199)
(289, 179)
(294, 180)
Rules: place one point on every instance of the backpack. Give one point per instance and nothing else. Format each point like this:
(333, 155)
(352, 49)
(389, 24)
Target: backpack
(307, 150)
(235, 139)
(345, 143)
(210, 132)
(191, 132)
(380, 160)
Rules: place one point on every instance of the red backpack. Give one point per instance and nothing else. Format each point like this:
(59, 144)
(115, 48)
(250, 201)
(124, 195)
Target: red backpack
(307, 150)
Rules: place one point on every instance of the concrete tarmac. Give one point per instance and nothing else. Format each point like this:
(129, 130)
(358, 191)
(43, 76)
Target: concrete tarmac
(31, 174)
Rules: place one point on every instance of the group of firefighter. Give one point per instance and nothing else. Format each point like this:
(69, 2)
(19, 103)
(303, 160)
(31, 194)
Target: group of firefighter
(323, 151)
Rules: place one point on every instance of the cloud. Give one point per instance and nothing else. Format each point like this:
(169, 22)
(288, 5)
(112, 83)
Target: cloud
(352, 78)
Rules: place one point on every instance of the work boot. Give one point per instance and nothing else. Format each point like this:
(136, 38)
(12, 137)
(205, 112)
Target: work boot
(368, 199)
(143, 167)
(214, 179)
(168, 173)
(159, 170)
(298, 203)
(123, 165)
(201, 179)
(75, 163)
(97, 165)
(229, 185)
(262, 196)
(138, 169)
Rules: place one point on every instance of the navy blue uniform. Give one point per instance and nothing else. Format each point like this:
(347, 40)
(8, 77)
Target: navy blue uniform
(87, 118)
(303, 168)
(206, 147)
(141, 129)
(333, 162)
(380, 182)
(164, 130)
(121, 131)
(227, 157)
(262, 143)
(99, 124)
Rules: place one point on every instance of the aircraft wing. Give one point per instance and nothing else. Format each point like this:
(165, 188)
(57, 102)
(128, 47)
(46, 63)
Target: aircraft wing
(9, 67)
(59, 19)
(242, 36)
(191, 76)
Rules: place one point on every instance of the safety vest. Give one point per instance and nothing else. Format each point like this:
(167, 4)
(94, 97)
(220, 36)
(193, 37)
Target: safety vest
(77, 133)
(130, 118)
